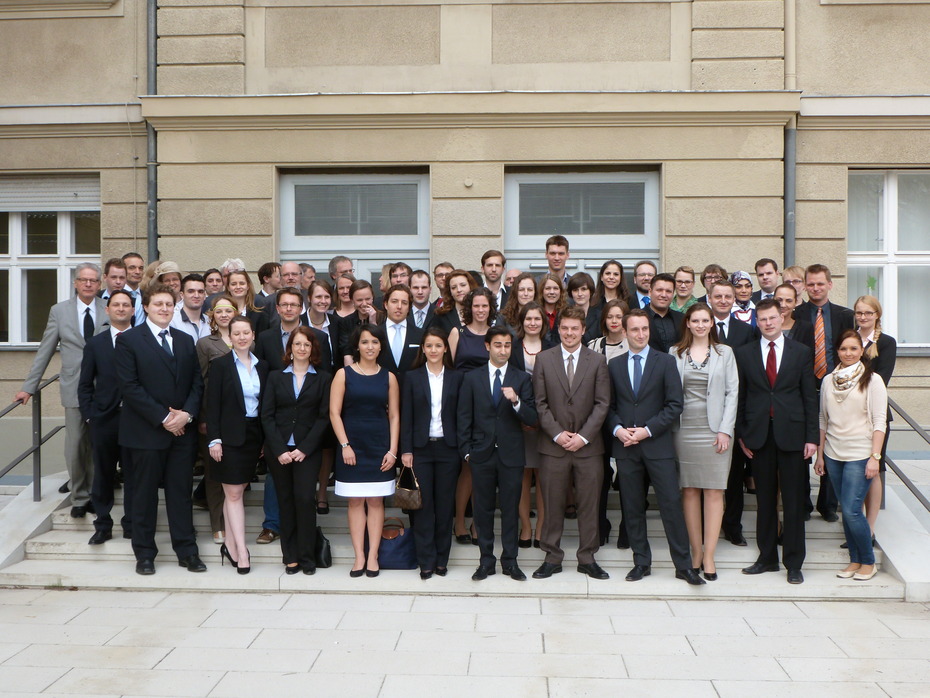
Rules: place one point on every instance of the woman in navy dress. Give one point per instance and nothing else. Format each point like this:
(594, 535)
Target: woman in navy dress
(364, 409)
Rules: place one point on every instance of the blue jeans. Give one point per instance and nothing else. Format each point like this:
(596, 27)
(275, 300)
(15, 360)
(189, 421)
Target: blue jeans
(270, 504)
(851, 486)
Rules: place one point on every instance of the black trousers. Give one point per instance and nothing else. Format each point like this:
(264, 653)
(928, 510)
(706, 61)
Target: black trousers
(437, 466)
(733, 498)
(774, 468)
(296, 488)
(104, 437)
(493, 479)
(172, 467)
(633, 470)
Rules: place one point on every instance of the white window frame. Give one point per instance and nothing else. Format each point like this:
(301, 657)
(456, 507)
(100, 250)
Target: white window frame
(890, 259)
(18, 261)
(587, 252)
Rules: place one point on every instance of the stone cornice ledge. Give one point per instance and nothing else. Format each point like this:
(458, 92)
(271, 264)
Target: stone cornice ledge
(469, 109)
(865, 112)
(70, 120)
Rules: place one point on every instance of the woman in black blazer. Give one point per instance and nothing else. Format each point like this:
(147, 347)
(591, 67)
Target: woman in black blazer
(430, 447)
(295, 415)
(796, 328)
(234, 431)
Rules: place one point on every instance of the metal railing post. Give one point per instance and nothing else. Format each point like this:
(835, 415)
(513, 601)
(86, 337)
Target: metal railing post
(36, 444)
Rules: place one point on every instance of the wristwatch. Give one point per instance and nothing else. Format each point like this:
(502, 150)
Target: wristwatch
(877, 456)
(345, 445)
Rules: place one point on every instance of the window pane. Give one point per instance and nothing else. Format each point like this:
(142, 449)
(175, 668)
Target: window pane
(336, 210)
(42, 233)
(913, 327)
(864, 221)
(914, 211)
(41, 294)
(863, 281)
(607, 208)
(4, 305)
(4, 232)
(86, 232)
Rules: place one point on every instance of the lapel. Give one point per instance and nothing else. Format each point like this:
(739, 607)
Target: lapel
(559, 368)
(236, 382)
(624, 360)
(69, 321)
(101, 310)
(584, 364)
(651, 361)
(507, 382)
(156, 347)
(787, 356)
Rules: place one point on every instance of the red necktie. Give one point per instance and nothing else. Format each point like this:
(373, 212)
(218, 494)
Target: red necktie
(771, 371)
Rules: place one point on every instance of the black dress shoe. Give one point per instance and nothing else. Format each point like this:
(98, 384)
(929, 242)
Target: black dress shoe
(525, 543)
(100, 537)
(464, 539)
(193, 563)
(441, 571)
(372, 573)
(638, 572)
(514, 573)
(593, 570)
(829, 516)
(690, 576)
(291, 570)
(482, 573)
(760, 567)
(736, 539)
(795, 577)
(65, 488)
(145, 567)
(89, 507)
(308, 570)
(546, 570)
(127, 535)
(78, 512)
(426, 574)
(536, 542)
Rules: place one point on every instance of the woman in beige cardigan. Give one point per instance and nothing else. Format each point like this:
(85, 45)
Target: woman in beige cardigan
(853, 419)
(710, 382)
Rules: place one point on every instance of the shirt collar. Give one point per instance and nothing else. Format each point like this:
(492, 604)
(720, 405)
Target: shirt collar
(156, 330)
(779, 341)
(402, 324)
(644, 352)
(565, 353)
(290, 369)
(90, 305)
(237, 360)
(492, 368)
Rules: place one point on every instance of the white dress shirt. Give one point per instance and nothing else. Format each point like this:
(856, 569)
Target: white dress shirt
(81, 308)
(156, 330)
(435, 403)
(779, 350)
(503, 369)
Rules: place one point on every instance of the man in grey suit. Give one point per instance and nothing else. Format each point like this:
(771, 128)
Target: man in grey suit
(646, 401)
(70, 324)
(572, 396)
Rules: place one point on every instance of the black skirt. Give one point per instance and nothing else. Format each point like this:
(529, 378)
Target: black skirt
(238, 464)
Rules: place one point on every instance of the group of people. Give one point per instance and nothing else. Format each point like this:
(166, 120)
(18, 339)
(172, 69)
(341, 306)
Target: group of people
(554, 382)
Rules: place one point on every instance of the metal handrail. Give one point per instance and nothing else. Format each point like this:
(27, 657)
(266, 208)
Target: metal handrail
(38, 440)
(894, 466)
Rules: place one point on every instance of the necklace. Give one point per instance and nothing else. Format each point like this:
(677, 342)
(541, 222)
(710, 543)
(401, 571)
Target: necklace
(700, 366)
(358, 367)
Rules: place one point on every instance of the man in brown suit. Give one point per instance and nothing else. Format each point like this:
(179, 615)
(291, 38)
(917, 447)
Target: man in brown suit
(572, 398)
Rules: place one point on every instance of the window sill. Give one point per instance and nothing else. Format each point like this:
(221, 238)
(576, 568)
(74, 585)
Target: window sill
(52, 9)
(914, 351)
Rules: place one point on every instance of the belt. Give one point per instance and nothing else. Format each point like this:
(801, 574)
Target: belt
(436, 438)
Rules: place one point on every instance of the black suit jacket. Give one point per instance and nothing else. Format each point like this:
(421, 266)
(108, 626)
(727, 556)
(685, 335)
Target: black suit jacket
(225, 404)
(99, 394)
(428, 320)
(883, 364)
(793, 401)
(482, 425)
(841, 318)
(802, 332)
(412, 338)
(151, 382)
(415, 411)
(306, 417)
(517, 359)
(657, 405)
(738, 333)
(268, 347)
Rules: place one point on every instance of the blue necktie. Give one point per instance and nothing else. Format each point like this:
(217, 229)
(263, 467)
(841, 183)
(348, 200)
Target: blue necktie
(637, 373)
(164, 342)
(397, 345)
(496, 389)
(646, 301)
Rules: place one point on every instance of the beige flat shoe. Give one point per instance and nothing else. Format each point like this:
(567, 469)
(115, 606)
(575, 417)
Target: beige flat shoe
(847, 574)
(219, 537)
(866, 577)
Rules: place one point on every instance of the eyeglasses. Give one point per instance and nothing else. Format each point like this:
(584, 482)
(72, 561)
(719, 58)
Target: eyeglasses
(87, 281)
(287, 306)
(684, 282)
(865, 313)
(712, 277)
(795, 282)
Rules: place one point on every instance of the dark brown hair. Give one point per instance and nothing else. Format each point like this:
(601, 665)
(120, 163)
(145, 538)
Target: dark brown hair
(316, 356)
(439, 333)
(687, 339)
(868, 368)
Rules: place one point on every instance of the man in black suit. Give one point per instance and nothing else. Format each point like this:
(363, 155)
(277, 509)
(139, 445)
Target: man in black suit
(778, 424)
(421, 310)
(270, 343)
(492, 268)
(403, 336)
(99, 398)
(494, 404)
(768, 277)
(646, 400)
(159, 376)
(733, 333)
(829, 321)
(664, 323)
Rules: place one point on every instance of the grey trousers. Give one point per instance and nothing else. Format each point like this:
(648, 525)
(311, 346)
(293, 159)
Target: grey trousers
(78, 456)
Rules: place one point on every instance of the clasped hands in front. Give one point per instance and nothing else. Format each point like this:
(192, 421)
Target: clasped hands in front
(570, 441)
(630, 436)
(177, 421)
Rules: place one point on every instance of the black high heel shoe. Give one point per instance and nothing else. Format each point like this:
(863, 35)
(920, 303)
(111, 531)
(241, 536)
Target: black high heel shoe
(224, 555)
(245, 570)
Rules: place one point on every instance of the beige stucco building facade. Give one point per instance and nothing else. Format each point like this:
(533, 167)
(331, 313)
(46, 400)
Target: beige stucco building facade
(692, 97)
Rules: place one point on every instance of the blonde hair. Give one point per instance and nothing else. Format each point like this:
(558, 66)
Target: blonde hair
(795, 271)
(873, 303)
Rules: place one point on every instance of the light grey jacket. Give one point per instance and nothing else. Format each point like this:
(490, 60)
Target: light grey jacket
(722, 387)
(63, 330)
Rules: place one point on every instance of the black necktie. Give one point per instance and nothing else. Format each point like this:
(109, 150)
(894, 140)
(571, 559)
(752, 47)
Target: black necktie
(637, 373)
(164, 342)
(496, 390)
(721, 334)
(88, 325)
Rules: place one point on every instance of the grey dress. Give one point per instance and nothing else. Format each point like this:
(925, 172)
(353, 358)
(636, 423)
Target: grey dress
(701, 465)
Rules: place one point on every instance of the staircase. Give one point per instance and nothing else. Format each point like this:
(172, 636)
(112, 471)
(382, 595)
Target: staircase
(61, 557)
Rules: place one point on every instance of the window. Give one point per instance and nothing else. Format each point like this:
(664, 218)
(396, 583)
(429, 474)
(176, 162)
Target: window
(372, 218)
(48, 225)
(603, 214)
(889, 247)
